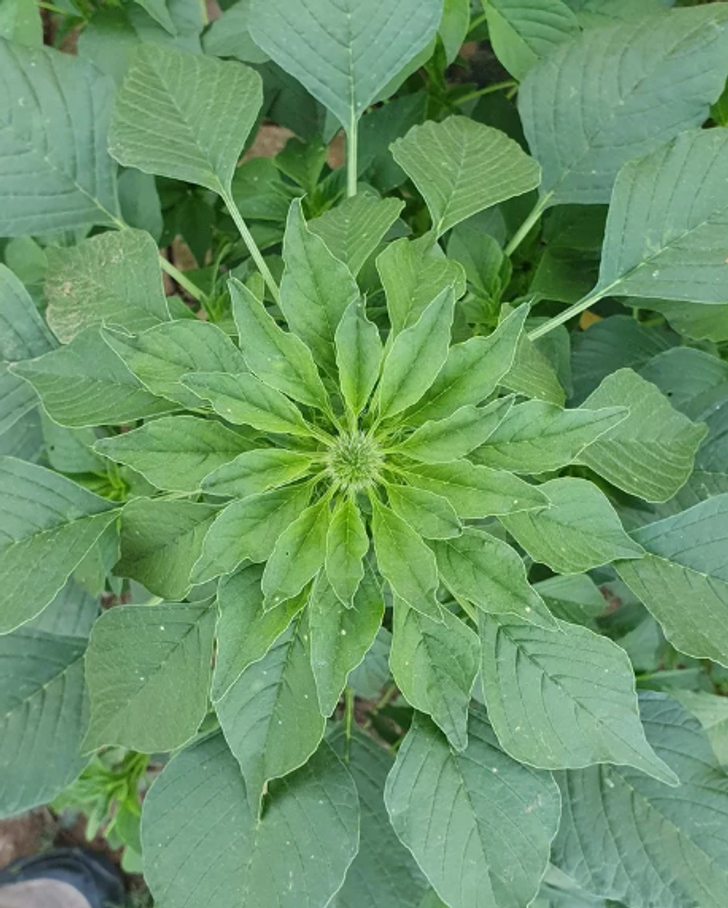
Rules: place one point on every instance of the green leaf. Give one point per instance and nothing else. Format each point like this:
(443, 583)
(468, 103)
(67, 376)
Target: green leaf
(628, 837)
(347, 62)
(476, 491)
(85, 384)
(316, 288)
(245, 632)
(270, 715)
(229, 36)
(175, 452)
(158, 10)
(413, 274)
(48, 525)
(256, 471)
(161, 356)
(595, 13)
(683, 579)
(479, 824)
(416, 356)
(244, 400)
(354, 229)
(20, 22)
(712, 713)
(148, 672)
(523, 31)
(563, 698)
(112, 279)
(43, 717)
(249, 529)
(434, 665)
(461, 167)
(532, 373)
(489, 573)
(404, 561)
(537, 437)
(346, 545)
(23, 334)
(71, 614)
(579, 531)
(358, 356)
(454, 27)
(184, 116)
(368, 679)
(298, 554)
(582, 130)
(297, 854)
(56, 173)
(666, 223)
(651, 453)
(341, 637)
(278, 358)
(454, 437)
(472, 371)
(432, 515)
(160, 542)
(17, 398)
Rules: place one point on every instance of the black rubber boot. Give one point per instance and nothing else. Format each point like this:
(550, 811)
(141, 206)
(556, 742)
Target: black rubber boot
(98, 881)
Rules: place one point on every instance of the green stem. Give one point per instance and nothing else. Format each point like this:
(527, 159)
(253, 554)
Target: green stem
(352, 155)
(51, 8)
(569, 313)
(179, 276)
(478, 20)
(487, 90)
(251, 244)
(469, 610)
(526, 227)
(349, 716)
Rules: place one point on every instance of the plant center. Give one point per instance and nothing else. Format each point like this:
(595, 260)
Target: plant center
(354, 461)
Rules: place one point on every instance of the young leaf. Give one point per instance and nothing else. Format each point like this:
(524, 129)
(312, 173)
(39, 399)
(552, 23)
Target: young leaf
(416, 356)
(563, 699)
(404, 561)
(454, 437)
(257, 471)
(270, 715)
(651, 453)
(476, 491)
(489, 573)
(184, 116)
(347, 63)
(580, 530)
(628, 837)
(462, 167)
(434, 665)
(56, 173)
(148, 672)
(113, 279)
(314, 813)
(316, 287)
(582, 130)
(346, 545)
(44, 712)
(160, 542)
(466, 816)
(48, 525)
(433, 515)
(683, 579)
(175, 452)
(341, 637)
(472, 371)
(245, 401)
(358, 356)
(161, 356)
(249, 529)
(84, 383)
(538, 437)
(278, 358)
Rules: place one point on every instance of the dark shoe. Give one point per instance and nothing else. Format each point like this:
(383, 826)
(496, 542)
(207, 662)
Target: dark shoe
(92, 875)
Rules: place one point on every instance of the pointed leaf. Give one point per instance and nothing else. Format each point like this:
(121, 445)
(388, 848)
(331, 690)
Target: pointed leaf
(358, 356)
(346, 545)
(23, 334)
(524, 32)
(256, 471)
(454, 437)
(432, 515)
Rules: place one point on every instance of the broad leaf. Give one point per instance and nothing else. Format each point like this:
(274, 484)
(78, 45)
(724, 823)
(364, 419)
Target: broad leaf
(43, 717)
(17, 399)
(112, 279)
(525, 31)
(583, 129)
(434, 665)
(20, 21)
(175, 452)
(23, 334)
(462, 167)
(580, 530)
(229, 35)
(148, 672)
(433, 515)
(71, 614)
(479, 824)
(256, 471)
(489, 573)
(562, 698)
(56, 173)
(313, 813)
(347, 543)
(184, 116)
(48, 526)
(711, 711)
(358, 356)
(533, 374)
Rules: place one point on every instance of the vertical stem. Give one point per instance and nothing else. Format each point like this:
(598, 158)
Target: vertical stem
(352, 155)
(525, 228)
(349, 720)
(251, 244)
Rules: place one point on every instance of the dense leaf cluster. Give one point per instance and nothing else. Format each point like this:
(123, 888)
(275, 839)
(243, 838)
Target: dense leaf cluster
(390, 550)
